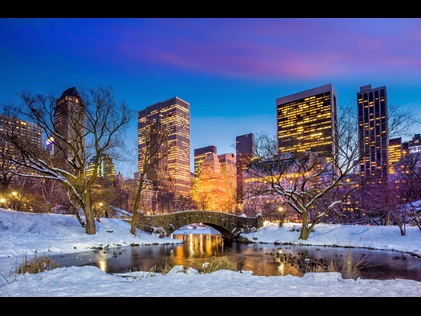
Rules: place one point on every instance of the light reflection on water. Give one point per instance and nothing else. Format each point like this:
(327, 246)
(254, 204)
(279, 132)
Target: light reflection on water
(199, 245)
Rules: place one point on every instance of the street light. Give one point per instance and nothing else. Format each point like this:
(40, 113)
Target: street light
(15, 196)
(281, 215)
(98, 210)
(2, 202)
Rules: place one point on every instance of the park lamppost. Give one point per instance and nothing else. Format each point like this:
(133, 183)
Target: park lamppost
(98, 210)
(2, 202)
(281, 215)
(15, 196)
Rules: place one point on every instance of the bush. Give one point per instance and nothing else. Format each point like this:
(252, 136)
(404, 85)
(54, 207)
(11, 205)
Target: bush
(348, 266)
(36, 265)
(219, 263)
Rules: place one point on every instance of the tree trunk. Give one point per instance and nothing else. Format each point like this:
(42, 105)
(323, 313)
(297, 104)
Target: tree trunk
(136, 205)
(402, 228)
(89, 214)
(135, 217)
(75, 211)
(305, 231)
(387, 218)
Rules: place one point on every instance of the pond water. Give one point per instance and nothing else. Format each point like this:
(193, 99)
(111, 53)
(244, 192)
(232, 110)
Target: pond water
(262, 259)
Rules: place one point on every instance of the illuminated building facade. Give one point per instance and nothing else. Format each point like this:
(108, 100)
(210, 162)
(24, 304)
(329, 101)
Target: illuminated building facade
(69, 121)
(414, 145)
(199, 156)
(372, 134)
(244, 147)
(215, 180)
(29, 133)
(105, 168)
(307, 121)
(228, 169)
(398, 150)
(173, 116)
(210, 185)
(148, 194)
(395, 152)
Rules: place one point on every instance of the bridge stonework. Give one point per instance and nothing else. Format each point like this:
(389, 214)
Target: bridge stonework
(229, 225)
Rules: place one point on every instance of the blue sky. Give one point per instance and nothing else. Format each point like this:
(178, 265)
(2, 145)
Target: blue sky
(230, 70)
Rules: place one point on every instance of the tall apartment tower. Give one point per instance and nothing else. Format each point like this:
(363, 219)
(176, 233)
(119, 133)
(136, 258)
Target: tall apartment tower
(373, 138)
(307, 121)
(244, 147)
(173, 115)
(69, 121)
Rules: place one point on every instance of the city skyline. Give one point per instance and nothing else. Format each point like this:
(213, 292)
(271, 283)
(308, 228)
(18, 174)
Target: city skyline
(230, 71)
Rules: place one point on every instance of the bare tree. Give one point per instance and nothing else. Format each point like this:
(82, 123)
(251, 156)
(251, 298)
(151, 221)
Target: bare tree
(155, 136)
(314, 185)
(96, 129)
(408, 192)
(304, 180)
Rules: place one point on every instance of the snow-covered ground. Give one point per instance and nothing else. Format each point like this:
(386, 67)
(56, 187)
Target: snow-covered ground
(29, 234)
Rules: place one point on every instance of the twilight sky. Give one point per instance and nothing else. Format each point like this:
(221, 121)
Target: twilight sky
(230, 70)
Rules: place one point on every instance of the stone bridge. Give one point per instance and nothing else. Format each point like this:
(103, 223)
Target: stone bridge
(229, 225)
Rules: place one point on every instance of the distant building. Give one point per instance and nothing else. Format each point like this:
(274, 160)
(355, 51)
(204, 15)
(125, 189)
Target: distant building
(307, 121)
(148, 195)
(199, 156)
(414, 145)
(228, 163)
(395, 152)
(69, 121)
(214, 180)
(244, 148)
(172, 115)
(105, 168)
(30, 134)
(373, 138)
(210, 185)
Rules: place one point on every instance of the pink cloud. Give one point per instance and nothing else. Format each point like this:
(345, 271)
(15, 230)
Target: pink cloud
(266, 49)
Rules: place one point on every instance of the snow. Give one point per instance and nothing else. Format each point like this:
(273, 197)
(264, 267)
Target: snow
(28, 234)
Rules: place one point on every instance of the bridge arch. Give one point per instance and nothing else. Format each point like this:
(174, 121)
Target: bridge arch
(229, 225)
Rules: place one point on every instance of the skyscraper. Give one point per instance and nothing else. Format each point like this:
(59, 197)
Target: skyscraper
(373, 133)
(69, 121)
(307, 121)
(173, 115)
(244, 146)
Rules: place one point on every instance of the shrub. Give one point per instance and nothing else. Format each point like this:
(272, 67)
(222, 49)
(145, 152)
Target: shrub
(36, 265)
(219, 263)
(348, 266)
